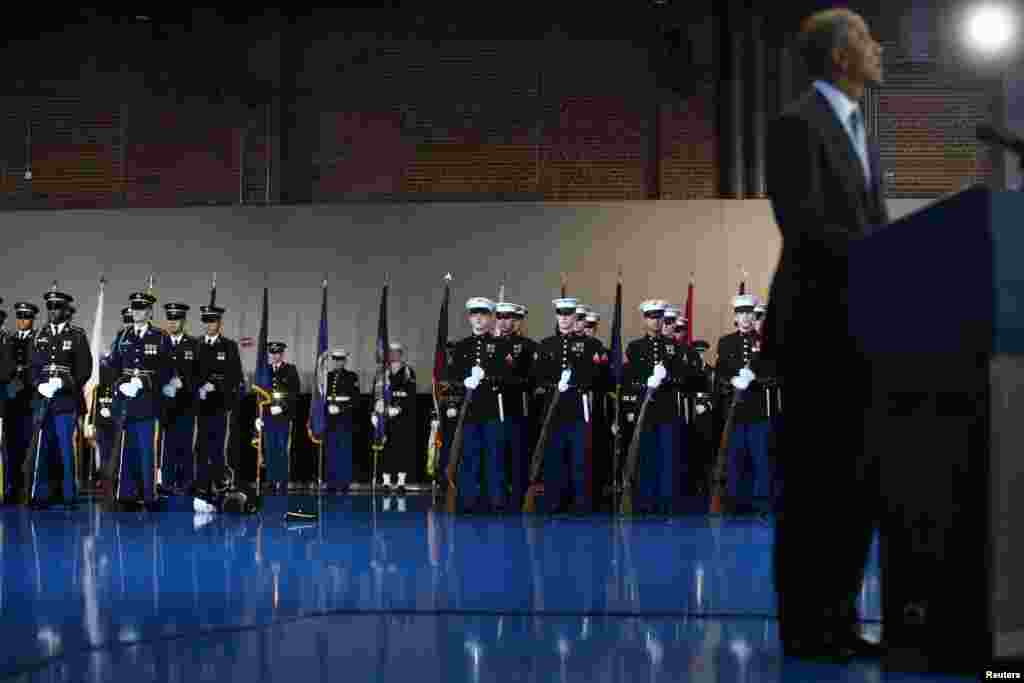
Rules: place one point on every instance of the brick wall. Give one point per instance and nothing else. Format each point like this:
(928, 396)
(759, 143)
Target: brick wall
(548, 119)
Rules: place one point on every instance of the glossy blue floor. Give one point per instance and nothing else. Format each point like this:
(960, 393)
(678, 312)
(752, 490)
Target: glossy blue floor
(385, 589)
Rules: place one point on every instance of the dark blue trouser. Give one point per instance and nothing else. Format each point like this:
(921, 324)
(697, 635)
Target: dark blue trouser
(57, 442)
(212, 443)
(17, 439)
(338, 453)
(482, 448)
(661, 453)
(277, 437)
(751, 473)
(178, 464)
(562, 476)
(518, 463)
(138, 461)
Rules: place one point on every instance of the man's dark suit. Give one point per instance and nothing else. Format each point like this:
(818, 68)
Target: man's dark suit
(825, 526)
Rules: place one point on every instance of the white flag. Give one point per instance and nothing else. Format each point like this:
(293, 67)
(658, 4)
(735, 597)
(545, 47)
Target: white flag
(94, 346)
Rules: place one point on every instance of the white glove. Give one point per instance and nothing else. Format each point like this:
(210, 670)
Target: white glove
(393, 411)
(471, 382)
(701, 409)
(660, 372)
(276, 410)
(46, 389)
(128, 389)
(378, 407)
(202, 394)
(654, 381)
(743, 380)
(333, 410)
(57, 383)
(566, 376)
(452, 413)
(137, 383)
(259, 424)
(105, 412)
(208, 388)
(435, 424)
(478, 372)
(615, 429)
(169, 390)
(629, 417)
(201, 506)
(178, 384)
(373, 421)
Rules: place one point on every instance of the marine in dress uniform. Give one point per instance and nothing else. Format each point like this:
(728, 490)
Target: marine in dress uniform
(400, 456)
(6, 374)
(218, 381)
(142, 361)
(61, 364)
(705, 444)
(341, 398)
(516, 395)
(600, 462)
(178, 433)
(750, 473)
(276, 423)
(19, 395)
(654, 364)
(484, 362)
(569, 364)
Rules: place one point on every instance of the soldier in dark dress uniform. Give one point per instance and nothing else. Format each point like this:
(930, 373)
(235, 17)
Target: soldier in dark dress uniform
(276, 423)
(218, 380)
(6, 374)
(654, 364)
(19, 395)
(142, 361)
(61, 364)
(341, 399)
(400, 455)
(599, 469)
(750, 473)
(518, 389)
(565, 364)
(705, 443)
(483, 362)
(178, 433)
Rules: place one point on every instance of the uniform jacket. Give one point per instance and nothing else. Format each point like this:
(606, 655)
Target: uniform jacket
(184, 364)
(641, 356)
(220, 365)
(149, 358)
(494, 355)
(578, 353)
(66, 355)
(343, 392)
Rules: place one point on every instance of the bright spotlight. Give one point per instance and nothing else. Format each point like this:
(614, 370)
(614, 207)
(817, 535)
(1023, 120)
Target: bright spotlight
(991, 28)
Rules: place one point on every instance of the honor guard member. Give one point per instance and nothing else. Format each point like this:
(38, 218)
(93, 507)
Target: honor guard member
(218, 380)
(518, 389)
(19, 395)
(565, 366)
(600, 461)
(483, 362)
(142, 361)
(453, 393)
(6, 374)
(402, 445)
(580, 326)
(750, 471)
(276, 422)
(61, 365)
(654, 364)
(178, 435)
(773, 395)
(103, 426)
(341, 397)
(670, 330)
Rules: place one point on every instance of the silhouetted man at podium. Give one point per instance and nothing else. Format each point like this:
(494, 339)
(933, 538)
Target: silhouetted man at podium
(824, 181)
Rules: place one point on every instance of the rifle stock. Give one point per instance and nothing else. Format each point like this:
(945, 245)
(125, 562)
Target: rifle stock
(633, 457)
(718, 474)
(530, 499)
(455, 455)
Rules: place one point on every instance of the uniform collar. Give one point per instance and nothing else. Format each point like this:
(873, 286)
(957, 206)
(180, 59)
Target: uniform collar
(58, 329)
(211, 340)
(144, 328)
(176, 338)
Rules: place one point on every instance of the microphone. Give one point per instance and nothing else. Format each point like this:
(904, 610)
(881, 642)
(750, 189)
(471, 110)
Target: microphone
(1001, 137)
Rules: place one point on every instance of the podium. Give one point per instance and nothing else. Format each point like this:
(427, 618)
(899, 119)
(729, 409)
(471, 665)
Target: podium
(937, 307)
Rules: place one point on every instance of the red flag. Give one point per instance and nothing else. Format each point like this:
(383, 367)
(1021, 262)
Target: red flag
(689, 312)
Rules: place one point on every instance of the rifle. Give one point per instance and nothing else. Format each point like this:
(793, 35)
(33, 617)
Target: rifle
(455, 454)
(720, 469)
(633, 457)
(530, 499)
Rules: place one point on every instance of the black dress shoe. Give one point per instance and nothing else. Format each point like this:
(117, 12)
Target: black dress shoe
(862, 647)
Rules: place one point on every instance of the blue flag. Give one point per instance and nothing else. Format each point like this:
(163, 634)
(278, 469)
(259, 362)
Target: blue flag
(382, 382)
(616, 345)
(318, 409)
(264, 381)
